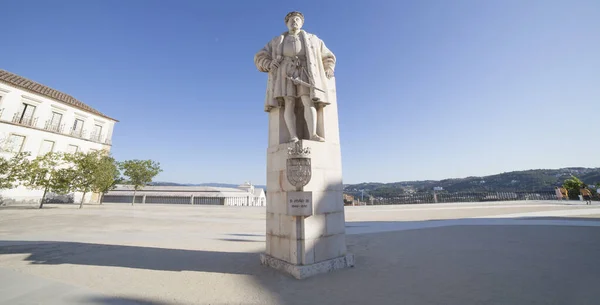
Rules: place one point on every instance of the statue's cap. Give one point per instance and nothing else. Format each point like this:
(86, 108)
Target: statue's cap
(292, 14)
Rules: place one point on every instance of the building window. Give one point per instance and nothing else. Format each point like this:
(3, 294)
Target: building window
(47, 147)
(54, 124)
(25, 115)
(15, 143)
(77, 127)
(96, 134)
(71, 149)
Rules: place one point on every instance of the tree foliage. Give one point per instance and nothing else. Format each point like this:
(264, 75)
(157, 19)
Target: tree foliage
(83, 171)
(140, 172)
(13, 169)
(94, 171)
(108, 175)
(573, 185)
(49, 172)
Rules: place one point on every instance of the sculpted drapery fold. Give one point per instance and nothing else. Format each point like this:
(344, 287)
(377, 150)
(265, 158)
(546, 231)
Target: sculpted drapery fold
(319, 59)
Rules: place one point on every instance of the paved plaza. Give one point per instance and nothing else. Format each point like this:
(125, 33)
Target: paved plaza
(526, 252)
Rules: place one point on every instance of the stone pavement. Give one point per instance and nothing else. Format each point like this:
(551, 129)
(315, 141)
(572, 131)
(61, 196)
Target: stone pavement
(529, 252)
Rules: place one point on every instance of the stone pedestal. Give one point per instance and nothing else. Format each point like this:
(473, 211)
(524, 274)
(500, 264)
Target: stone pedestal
(306, 245)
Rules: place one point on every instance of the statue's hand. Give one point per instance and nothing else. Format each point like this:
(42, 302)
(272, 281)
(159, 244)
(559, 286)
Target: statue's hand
(329, 73)
(274, 65)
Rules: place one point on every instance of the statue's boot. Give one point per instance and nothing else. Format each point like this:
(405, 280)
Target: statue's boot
(317, 138)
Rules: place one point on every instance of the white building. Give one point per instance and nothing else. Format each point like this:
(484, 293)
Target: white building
(245, 195)
(39, 119)
(259, 198)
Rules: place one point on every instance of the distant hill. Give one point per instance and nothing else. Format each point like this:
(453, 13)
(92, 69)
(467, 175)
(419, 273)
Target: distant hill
(163, 183)
(529, 180)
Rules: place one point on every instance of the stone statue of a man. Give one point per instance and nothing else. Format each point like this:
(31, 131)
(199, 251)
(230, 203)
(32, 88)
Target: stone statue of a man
(299, 66)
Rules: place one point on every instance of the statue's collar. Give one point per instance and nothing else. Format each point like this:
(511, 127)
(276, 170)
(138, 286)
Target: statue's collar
(300, 33)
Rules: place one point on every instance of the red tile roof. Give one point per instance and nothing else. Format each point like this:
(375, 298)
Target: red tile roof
(31, 86)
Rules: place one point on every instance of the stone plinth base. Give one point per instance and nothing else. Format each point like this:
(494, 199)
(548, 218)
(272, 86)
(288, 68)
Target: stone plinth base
(304, 271)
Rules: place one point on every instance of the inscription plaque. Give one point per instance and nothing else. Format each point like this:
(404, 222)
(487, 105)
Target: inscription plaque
(299, 203)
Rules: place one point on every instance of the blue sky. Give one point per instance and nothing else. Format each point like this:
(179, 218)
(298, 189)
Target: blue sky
(426, 89)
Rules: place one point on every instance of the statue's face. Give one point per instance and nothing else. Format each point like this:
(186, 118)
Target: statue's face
(294, 23)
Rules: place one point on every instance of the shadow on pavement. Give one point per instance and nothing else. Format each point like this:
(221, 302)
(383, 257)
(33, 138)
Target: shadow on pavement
(455, 264)
(149, 258)
(119, 301)
(241, 240)
(490, 264)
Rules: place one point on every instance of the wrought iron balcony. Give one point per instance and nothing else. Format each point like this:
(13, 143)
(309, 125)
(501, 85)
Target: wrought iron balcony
(18, 118)
(54, 127)
(78, 133)
(96, 137)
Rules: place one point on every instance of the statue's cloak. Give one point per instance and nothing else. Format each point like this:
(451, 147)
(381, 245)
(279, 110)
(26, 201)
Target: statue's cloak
(318, 58)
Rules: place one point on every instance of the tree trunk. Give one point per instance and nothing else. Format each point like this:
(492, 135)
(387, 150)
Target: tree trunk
(82, 198)
(43, 196)
(132, 201)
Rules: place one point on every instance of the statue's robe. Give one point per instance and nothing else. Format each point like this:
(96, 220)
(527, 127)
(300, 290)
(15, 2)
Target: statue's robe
(318, 58)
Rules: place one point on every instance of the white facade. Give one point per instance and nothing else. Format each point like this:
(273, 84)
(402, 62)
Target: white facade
(256, 196)
(31, 120)
(260, 198)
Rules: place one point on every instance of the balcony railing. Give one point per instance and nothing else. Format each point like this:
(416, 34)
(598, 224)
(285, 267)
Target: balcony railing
(54, 127)
(18, 118)
(96, 137)
(78, 133)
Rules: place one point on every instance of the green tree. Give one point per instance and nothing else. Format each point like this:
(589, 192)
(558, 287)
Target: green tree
(140, 173)
(573, 185)
(108, 175)
(12, 166)
(84, 172)
(13, 169)
(49, 172)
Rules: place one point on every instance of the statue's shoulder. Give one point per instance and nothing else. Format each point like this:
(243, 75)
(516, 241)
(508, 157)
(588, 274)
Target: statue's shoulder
(278, 38)
(311, 36)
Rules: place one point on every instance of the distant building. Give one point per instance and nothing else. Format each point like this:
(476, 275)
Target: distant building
(244, 195)
(38, 119)
(259, 198)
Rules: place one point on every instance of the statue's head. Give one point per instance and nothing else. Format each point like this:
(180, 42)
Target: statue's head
(294, 21)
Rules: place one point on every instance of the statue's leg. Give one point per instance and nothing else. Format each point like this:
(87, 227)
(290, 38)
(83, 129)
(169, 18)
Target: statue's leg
(310, 115)
(290, 117)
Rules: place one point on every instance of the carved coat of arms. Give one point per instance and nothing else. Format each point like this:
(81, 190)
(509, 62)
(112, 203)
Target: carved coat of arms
(298, 165)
